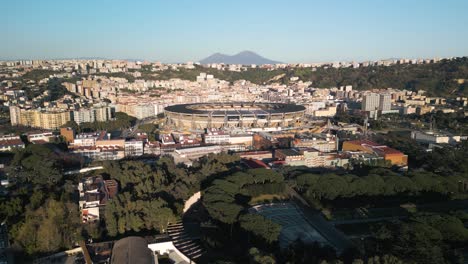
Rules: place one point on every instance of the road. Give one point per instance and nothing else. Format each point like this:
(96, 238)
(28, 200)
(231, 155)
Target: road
(130, 132)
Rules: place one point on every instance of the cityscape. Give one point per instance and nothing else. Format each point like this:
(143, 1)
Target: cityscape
(233, 157)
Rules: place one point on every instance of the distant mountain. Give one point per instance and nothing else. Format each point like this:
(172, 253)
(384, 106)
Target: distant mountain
(244, 57)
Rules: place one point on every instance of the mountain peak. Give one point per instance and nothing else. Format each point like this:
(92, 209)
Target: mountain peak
(245, 57)
(247, 52)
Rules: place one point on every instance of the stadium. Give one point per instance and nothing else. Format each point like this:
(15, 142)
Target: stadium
(234, 115)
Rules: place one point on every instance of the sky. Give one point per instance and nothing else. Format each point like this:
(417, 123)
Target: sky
(190, 30)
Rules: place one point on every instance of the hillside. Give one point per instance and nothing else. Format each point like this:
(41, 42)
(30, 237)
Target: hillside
(439, 78)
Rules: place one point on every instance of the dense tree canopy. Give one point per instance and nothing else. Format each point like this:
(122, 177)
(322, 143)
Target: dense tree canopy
(152, 194)
(49, 228)
(260, 226)
(376, 183)
(132, 214)
(226, 200)
(36, 164)
(422, 239)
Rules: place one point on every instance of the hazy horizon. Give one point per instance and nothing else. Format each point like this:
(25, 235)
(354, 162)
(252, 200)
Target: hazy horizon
(196, 61)
(181, 31)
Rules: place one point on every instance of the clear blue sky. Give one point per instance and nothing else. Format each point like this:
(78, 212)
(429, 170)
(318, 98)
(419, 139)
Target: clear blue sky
(183, 30)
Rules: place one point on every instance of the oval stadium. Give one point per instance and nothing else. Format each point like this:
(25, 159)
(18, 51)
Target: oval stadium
(234, 115)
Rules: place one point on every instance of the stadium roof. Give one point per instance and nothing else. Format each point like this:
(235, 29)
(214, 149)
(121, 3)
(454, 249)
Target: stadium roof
(235, 108)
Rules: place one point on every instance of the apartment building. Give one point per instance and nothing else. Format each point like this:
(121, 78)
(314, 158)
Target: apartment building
(45, 119)
(84, 115)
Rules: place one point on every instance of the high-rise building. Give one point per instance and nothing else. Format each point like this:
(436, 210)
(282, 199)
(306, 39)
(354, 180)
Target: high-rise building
(371, 102)
(99, 114)
(53, 119)
(385, 103)
(15, 115)
(102, 113)
(83, 116)
(143, 111)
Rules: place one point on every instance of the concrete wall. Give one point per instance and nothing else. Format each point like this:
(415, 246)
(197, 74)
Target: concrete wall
(193, 199)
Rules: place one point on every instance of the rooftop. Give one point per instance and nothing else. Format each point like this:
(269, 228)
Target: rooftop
(131, 250)
(363, 142)
(289, 152)
(235, 108)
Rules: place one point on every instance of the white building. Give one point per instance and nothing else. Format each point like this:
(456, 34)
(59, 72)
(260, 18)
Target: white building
(40, 137)
(133, 148)
(216, 137)
(435, 137)
(371, 102)
(84, 115)
(99, 114)
(385, 103)
(144, 111)
(15, 115)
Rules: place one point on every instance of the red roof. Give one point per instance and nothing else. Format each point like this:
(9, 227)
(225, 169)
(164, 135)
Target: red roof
(255, 164)
(386, 150)
(245, 153)
(363, 142)
(11, 142)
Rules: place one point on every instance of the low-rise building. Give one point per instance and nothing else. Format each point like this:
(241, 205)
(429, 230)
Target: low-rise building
(40, 138)
(310, 158)
(188, 155)
(10, 142)
(436, 137)
(152, 148)
(259, 155)
(133, 148)
(94, 193)
(68, 133)
(216, 137)
(394, 156)
(321, 142)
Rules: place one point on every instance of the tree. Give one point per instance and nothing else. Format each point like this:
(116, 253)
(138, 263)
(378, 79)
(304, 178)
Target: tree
(261, 227)
(36, 164)
(51, 227)
(126, 214)
(257, 257)
(415, 241)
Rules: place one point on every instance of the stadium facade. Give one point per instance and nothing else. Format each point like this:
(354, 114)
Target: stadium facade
(234, 115)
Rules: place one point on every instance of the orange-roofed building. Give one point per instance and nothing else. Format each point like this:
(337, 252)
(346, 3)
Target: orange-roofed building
(68, 133)
(394, 156)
